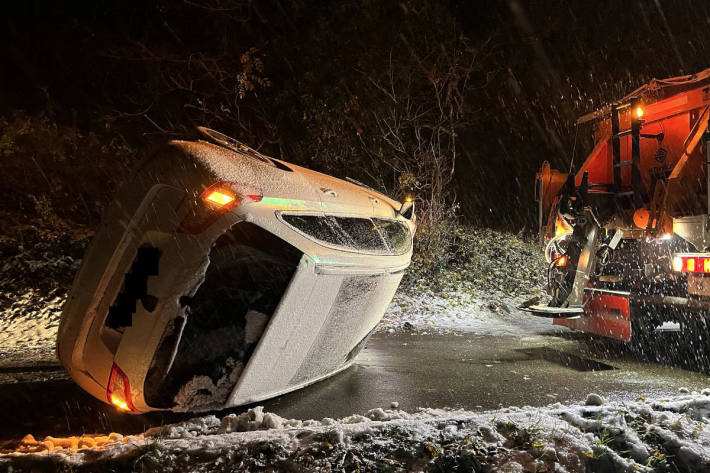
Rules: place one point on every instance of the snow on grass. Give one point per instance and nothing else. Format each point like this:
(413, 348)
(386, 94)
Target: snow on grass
(646, 435)
(491, 314)
(33, 287)
(489, 277)
(30, 323)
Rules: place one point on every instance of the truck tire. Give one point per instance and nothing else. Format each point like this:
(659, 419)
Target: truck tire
(643, 335)
(695, 343)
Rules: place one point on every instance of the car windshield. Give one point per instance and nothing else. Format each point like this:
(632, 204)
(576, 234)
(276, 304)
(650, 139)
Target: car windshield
(369, 235)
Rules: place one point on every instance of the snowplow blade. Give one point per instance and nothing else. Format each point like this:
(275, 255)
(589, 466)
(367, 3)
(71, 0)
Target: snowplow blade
(544, 310)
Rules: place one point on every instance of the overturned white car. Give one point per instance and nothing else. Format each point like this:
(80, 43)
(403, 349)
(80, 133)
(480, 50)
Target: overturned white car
(222, 277)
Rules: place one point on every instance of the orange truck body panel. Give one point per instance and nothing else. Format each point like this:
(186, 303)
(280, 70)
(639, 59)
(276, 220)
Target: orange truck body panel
(604, 314)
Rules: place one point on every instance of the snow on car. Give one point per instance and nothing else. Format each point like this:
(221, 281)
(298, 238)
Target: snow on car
(221, 277)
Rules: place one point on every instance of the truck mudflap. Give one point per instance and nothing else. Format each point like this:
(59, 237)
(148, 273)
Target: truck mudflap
(606, 313)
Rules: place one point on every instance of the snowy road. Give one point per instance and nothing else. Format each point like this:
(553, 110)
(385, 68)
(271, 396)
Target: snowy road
(474, 372)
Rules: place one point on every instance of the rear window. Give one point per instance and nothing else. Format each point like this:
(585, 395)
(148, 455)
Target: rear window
(370, 235)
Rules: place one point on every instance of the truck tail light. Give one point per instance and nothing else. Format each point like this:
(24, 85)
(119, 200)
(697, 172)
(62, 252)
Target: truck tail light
(118, 390)
(217, 200)
(560, 260)
(692, 263)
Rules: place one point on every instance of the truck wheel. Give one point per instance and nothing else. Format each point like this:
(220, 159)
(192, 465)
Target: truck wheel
(643, 338)
(695, 345)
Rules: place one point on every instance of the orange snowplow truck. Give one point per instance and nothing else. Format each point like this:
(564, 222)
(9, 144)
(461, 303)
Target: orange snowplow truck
(627, 237)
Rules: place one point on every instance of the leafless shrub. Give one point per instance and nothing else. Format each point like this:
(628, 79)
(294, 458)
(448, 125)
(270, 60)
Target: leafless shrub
(423, 108)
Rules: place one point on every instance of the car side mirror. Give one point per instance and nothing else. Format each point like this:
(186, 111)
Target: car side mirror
(407, 209)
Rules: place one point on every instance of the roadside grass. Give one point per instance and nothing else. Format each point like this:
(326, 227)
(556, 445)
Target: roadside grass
(480, 259)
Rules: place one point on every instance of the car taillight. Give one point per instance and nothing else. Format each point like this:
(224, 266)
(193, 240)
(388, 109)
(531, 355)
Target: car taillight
(217, 200)
(692, 263)
(118, 390)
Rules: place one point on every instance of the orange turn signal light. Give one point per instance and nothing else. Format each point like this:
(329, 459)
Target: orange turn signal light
(220, 197)
(217, 200)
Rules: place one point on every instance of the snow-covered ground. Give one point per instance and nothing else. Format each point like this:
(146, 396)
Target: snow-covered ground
(480, 292)
(33, 287)
(646, 435)
(492, 313)
(30, 325)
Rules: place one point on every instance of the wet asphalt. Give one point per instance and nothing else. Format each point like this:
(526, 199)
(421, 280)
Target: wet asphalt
(468, 371)
(476, 372)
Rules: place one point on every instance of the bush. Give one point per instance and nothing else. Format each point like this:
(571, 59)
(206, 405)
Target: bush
(468, 258)
(56, 177)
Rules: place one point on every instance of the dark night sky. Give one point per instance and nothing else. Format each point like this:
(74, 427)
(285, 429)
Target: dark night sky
(100, 65)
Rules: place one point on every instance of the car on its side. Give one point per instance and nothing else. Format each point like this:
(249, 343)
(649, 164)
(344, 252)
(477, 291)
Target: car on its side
(220, 277)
